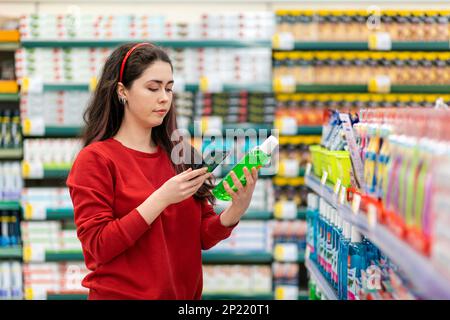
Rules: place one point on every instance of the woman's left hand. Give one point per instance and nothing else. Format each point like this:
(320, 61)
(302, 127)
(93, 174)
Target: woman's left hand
(240, 198)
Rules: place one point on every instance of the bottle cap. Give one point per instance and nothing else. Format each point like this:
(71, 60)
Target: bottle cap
(269, 145)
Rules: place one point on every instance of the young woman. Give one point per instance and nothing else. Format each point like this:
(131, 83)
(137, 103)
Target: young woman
(142, 219)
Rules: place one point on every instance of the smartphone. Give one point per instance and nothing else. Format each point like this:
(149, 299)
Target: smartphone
(213, 159)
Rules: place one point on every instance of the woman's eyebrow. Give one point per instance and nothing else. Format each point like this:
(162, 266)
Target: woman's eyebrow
(159, 81)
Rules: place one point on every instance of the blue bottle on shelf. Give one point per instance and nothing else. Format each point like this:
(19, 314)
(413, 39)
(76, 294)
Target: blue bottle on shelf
(311, 214)
(343, 261)
(321, 236)
(336, 244)
(357, 262)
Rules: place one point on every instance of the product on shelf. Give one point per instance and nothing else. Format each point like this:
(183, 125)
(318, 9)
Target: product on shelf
(262, 199)
(36, 201)
(10, 181)
(290, 232)
(81, 65)
(52, 152)
(246, 25)
(11, 286)
(10, 130)
(62, 108)
(10, 228)
(247, 236)
(56, 278)
(289, 200)
(361, 68)
(237, 279)
(358, 25)
(351, 264)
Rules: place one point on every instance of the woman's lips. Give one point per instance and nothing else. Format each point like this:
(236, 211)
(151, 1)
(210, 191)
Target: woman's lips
(160, 112)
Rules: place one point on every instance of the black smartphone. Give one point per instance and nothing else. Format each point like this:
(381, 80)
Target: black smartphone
(213, 159)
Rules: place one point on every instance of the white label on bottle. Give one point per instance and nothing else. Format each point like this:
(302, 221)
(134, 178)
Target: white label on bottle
(356, 203)
(291, 168)
(288, 126)
(372, 215)
(286, 252)
(33, 126)
(283, 41)
(286, 292)
(380, 41)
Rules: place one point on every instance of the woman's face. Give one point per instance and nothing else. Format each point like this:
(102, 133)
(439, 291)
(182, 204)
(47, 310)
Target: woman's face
(150, 96)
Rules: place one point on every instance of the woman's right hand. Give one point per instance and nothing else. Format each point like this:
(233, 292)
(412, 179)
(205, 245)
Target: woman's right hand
(182, 186)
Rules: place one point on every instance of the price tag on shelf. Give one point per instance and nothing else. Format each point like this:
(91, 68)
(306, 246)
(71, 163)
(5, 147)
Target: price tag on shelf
(286, 125)
(380, 84)
(210, 123)
(35, 211)
(290, 168)
(93, 84)
(308, 169)
(283, 41)
(33, 169)
(286, 292)
(337, 186)
(210, 84)
(285, 210)
(35, 292)
(285, 84)
(33, 126)
(372, 215)
(28, 293)
(342, 195)
(32, 85)
(356, 203)
(34, 253)
(286, 252)
(380, 41)
(324, 178)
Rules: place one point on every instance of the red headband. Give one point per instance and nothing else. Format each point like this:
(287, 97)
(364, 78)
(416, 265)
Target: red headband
(122, 67)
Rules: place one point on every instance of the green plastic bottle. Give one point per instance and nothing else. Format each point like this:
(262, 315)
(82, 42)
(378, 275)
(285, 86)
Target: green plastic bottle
(256, 158)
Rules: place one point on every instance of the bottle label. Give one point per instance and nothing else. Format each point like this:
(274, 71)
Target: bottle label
(351, 284)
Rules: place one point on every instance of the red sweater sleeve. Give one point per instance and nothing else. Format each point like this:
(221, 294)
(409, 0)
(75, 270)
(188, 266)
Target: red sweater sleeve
(212, 230)
(91, 188)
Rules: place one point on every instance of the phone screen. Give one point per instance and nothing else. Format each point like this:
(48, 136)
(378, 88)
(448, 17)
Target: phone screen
(213, 159)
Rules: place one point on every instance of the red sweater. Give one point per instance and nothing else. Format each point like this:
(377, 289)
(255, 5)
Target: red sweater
(130, 259)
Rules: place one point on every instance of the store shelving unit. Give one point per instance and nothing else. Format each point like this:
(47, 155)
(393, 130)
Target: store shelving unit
(320, 280)
(14, 252)
(9, 97)
(406, 45)
(431, 284)
(9, 205)
(344, 88)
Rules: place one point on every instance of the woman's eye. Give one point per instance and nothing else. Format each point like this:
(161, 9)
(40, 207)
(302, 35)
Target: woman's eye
(153, 89)
(169, 89)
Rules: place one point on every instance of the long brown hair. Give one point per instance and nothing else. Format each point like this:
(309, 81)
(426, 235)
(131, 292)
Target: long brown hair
(104, 113)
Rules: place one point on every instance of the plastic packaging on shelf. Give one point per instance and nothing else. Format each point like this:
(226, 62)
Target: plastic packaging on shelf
(11, 284)
(41, 279)
(10, 130)
(237, 279)
(362, 68)
(352, 25)
(11, 182)
(10, 235)
(62, 108)
(55, 152)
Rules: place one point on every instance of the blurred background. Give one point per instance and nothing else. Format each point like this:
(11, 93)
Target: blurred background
(358, 207)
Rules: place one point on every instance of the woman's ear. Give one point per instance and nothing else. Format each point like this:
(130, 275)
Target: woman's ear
(121, 93)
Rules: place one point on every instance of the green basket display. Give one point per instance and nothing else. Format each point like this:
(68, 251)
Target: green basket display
(339, 167)
(316, 156)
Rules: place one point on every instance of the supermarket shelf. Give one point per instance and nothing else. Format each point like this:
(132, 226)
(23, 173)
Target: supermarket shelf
(313, 88)
(11, 252)
(69, 255)
(9, 205)
(238, 296)
(59, 131)
(256, 87)
(430, 285)
(9, 97)
(11, 154)
(59, 214)
(9, 87)
(67, 296)
(243, 256)
(236, 126)
(257, 215)
(51, 172)
(258, 2)
(181, 43)
(329, 45)
(321, 282)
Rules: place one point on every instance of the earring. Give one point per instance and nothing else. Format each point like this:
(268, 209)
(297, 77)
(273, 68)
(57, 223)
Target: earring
(122, 100)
